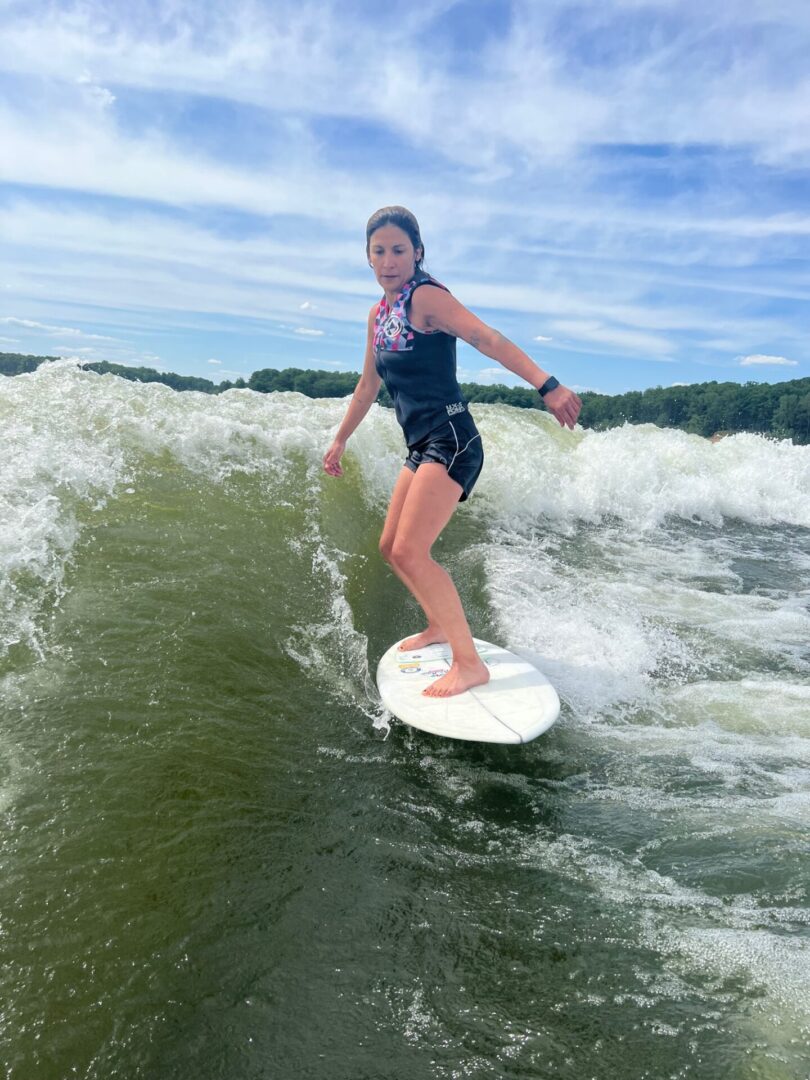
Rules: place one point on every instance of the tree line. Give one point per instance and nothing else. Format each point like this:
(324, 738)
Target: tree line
(778, 409)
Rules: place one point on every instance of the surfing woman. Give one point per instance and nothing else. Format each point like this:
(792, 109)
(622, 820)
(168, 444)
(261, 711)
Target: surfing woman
(411, 346)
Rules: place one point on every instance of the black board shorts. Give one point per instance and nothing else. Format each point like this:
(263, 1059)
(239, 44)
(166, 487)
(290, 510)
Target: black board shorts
(456, 445)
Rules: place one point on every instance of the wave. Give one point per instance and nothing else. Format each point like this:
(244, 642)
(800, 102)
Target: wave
(75, 440)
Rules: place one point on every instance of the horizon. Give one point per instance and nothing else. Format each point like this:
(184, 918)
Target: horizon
(620, 188)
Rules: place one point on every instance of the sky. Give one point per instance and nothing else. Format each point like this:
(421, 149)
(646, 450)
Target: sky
(622, 187)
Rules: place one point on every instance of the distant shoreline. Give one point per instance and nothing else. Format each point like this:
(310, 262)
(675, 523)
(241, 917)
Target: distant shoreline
(711, 409)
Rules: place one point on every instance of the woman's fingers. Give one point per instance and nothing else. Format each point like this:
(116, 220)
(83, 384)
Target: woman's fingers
(331, 460)
(566, 409)
(572, 407)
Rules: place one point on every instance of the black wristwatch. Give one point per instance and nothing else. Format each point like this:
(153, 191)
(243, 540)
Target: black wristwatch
(550, 384)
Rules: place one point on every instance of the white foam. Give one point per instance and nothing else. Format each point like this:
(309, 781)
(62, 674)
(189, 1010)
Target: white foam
(770, 707)
(328, 645)
(773, 962)
(55, 458)
(710, 934)
(74, 438)
(639, 474)
(616, 617)
(596, 646)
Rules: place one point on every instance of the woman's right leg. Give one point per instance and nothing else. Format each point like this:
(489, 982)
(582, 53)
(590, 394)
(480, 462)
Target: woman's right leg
(434, 631)
(431, 501)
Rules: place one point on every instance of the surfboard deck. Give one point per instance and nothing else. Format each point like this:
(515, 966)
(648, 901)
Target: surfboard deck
(515, 706)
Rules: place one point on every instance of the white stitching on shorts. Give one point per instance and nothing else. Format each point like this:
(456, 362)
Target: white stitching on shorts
(458, 452)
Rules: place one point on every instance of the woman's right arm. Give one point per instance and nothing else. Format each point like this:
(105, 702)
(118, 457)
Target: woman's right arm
(364, 396)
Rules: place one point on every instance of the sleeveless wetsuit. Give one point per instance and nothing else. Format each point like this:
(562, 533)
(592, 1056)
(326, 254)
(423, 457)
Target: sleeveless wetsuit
(418, 368)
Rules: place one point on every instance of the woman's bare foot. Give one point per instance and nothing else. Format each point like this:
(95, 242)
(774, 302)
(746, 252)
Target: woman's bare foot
(459, 678)
(431, 636)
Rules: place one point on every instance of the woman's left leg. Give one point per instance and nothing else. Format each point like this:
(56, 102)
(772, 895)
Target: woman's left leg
(428, 506)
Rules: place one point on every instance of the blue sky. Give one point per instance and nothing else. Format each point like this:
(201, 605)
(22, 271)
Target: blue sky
(622, 187)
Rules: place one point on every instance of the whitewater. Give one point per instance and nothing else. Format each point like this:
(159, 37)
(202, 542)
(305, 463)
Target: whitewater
(221, 857)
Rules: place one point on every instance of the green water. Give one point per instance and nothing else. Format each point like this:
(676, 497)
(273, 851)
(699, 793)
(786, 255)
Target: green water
(218, 861)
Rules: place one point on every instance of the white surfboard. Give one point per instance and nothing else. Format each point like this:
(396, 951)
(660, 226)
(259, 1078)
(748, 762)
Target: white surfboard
(516, 705)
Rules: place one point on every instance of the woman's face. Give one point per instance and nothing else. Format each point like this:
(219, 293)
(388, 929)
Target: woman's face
(392, 257)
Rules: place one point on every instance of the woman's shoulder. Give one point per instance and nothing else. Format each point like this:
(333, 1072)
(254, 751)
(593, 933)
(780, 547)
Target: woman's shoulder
(428, 295)
(427, 281)
(425, 292)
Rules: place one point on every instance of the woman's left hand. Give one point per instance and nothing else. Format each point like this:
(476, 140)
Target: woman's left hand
(564, 405)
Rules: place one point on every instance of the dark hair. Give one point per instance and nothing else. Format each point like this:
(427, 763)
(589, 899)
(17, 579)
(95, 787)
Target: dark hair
(396, 215)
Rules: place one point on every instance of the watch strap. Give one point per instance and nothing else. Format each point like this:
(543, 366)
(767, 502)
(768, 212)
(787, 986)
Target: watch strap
(550, 384)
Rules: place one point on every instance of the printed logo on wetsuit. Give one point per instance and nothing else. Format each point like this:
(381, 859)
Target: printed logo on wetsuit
(392, 332)
(393, 326)
(456, 407)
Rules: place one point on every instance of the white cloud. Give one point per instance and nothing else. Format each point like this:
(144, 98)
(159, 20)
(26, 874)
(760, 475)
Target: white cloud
(652, 346)
(59, 331)
(307, 332)
(664, 75)
(665, 84)
(541, 337)
(490, 376)
(105, 161)
(336, 365)
(149, 264)
(757, 359)
(213, 361)
(98, 95)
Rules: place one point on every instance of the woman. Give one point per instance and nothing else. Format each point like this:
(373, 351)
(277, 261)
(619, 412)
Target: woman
(411, 345)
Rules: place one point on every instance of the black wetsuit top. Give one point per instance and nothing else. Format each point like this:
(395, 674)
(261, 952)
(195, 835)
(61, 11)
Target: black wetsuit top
(418, 367)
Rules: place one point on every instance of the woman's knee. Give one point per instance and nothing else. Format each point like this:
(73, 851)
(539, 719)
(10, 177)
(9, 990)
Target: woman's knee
(387, 547)
(406, 555)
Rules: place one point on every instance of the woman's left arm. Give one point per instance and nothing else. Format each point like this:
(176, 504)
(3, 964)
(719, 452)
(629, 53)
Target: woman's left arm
(435, 309)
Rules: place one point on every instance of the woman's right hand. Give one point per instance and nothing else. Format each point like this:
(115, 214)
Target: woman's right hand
(331, 459)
